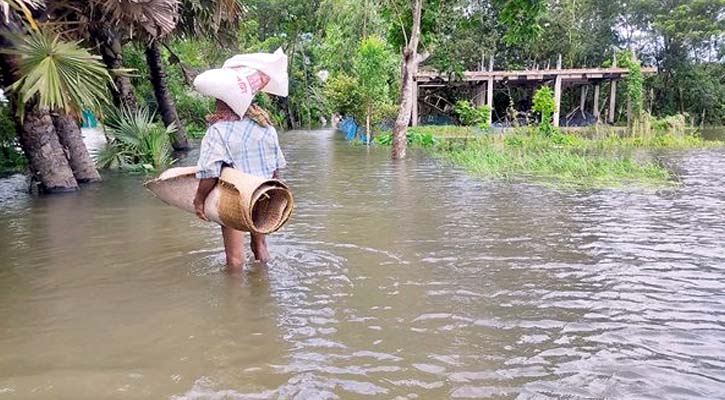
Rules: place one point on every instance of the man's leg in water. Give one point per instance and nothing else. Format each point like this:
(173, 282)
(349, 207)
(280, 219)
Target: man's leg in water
(259, 248)
(233, 247)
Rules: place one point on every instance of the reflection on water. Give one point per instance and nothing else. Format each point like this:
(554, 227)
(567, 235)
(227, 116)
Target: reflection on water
(392, 281)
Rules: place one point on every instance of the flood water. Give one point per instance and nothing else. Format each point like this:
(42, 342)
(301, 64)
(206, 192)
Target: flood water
(392, 281)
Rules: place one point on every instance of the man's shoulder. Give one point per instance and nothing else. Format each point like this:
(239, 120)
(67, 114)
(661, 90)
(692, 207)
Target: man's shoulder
(249, 122)
(244, 124)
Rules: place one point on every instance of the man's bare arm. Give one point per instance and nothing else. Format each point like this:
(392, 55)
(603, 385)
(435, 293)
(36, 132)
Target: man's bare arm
(205, 187)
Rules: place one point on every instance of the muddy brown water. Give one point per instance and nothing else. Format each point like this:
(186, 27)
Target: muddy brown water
(407, 281)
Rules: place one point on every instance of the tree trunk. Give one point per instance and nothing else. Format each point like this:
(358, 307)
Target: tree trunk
(367, 126)
(291, 120)
(109, 45)
(69, 134)
(167, 108)
(410, 66)
(48, 162)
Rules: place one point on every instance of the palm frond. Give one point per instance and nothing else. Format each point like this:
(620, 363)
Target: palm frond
(63, 75)
(137, 141)
(210, 17)
(128, 127)
(157, 147)
(24, 6)
(156, 17)
(111, 156)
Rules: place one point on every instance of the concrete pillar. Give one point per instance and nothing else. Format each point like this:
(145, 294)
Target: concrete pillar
(612, 93)
(595, 110)
(489, 90)
(612, 101)
(557, 99)
(489, 98)
(414, 111)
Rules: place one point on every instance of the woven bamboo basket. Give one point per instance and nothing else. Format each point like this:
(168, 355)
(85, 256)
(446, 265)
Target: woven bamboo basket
(244, 202)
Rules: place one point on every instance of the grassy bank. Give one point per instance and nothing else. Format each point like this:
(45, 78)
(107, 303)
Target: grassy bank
(590, 158)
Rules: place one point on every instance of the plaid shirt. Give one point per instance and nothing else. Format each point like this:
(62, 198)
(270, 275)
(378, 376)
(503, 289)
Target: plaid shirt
(244, 145)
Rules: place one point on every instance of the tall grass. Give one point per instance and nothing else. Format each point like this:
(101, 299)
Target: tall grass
(544, 160)
(592, 159)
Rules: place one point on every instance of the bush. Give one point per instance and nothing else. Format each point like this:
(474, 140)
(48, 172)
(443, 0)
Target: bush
(470, 115)
(633, 82)
(545, 105)
(673, 124)
(343, 96)
(136, 142)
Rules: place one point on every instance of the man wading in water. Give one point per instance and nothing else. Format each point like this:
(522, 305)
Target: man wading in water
(247, 143)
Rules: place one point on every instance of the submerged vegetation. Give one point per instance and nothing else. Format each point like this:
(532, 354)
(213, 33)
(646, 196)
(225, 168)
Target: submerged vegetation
(565, 161)
(597, 157)
(417, 138)
(135, 142)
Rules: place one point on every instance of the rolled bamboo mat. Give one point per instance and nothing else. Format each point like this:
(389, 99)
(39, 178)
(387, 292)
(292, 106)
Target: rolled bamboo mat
(244, 202)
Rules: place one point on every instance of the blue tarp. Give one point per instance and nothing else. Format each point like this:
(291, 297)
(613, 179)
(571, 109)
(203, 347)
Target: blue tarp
(352, 130)
(89, 120)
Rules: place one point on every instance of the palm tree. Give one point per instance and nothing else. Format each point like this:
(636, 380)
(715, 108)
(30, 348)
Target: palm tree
(36, 132)
(151, 20)
(109, 24)
(113, 22)
(56, 79)
(110, 47)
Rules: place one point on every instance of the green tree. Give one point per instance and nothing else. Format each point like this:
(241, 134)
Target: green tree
(343, 95)
(372, 65)
(684, 38)
(634, 85)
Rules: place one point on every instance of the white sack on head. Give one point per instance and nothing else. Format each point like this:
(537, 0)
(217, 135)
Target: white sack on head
(228, 85)
(244, 75)
(273, 65)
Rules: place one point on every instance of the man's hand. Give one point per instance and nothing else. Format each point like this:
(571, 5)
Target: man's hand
(199, 208)
(205, 186)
